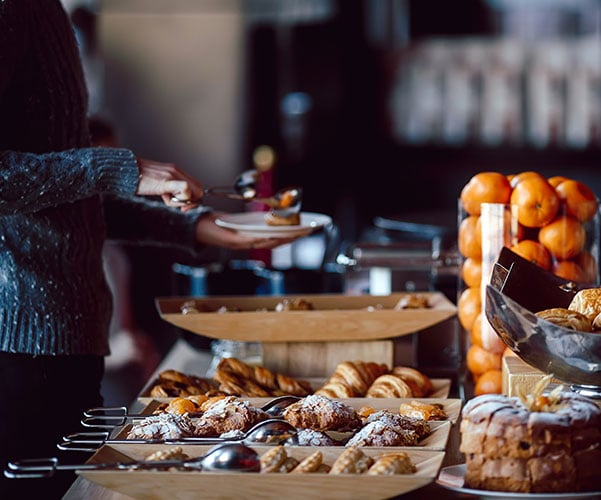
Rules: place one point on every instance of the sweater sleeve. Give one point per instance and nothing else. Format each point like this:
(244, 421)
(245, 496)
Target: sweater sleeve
(32, 182)
(142, 221)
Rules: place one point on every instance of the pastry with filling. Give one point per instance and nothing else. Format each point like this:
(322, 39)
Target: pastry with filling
(161, 427)
(228, 414)
(320, 413)
(423, 411)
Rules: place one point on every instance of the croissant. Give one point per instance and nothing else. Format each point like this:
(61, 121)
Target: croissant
(420, 384)
(389, 386)
(336, 389)
(294, 386)
(359, 375)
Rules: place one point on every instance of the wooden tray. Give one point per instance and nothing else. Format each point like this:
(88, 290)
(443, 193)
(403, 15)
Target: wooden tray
(335, 317)
(193, 485)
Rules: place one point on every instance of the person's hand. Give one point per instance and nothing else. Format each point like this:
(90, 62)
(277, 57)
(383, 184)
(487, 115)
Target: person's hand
(175, 187)
(209, 233)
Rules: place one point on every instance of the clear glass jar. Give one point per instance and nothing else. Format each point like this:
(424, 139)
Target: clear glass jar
(565, 246)
(250, 353)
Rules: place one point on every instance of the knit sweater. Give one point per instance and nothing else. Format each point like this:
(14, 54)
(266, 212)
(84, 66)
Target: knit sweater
(59, 197)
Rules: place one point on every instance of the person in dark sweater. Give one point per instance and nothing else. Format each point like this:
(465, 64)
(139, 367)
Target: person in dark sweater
(60, 199)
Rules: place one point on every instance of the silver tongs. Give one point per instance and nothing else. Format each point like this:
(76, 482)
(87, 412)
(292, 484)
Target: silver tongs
(270, 432)
(233, 457)
(108, 417)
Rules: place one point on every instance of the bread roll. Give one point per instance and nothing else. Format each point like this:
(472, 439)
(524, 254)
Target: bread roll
(567, 318)
(587, 302)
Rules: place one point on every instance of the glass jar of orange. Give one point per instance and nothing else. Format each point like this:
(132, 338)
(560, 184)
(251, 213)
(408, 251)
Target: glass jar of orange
(552, 222)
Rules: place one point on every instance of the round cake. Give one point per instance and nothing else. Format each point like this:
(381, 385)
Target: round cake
(541, 445)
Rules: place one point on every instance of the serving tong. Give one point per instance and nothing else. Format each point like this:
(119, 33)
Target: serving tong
(285, 202)
(111, 416)
(233, 457)
(270, 432)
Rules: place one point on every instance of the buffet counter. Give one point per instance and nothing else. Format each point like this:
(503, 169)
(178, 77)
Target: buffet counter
(184, 358)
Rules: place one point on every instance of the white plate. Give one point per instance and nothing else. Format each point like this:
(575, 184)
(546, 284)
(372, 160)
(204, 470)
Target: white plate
(452, 478)
(253, 224)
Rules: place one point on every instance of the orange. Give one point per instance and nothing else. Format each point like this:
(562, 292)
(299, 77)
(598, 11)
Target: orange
(469, 305)
(471, 272)
(564, 237)
(485, 187)
(556, 180)
(588, 263)
(490, 382)
(534, 252)
(517, 178)
(476, 331)
(534, 201)
(469, 237)
(569, 270)
(581, 202)
(479, 360)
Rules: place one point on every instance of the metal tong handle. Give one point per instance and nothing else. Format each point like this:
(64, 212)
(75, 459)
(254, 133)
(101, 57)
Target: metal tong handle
(46, 467)
(93, 440)
(107, 417)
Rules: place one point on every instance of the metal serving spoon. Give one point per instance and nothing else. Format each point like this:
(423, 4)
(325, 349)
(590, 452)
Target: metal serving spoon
(245, 188)
(117, 415)
(232, 457)
(270, 432)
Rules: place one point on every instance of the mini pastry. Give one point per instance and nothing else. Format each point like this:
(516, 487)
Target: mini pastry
(392, 463)
(567, 318)
(352, 461)
(423, 411)
(175, 453)
(312, 463)
(273, 459)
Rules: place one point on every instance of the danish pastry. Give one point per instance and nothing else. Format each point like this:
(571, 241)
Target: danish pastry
(423, 411)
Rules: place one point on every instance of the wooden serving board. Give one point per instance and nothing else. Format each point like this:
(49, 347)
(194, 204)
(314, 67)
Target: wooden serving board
(192, 485)
(334, 318)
